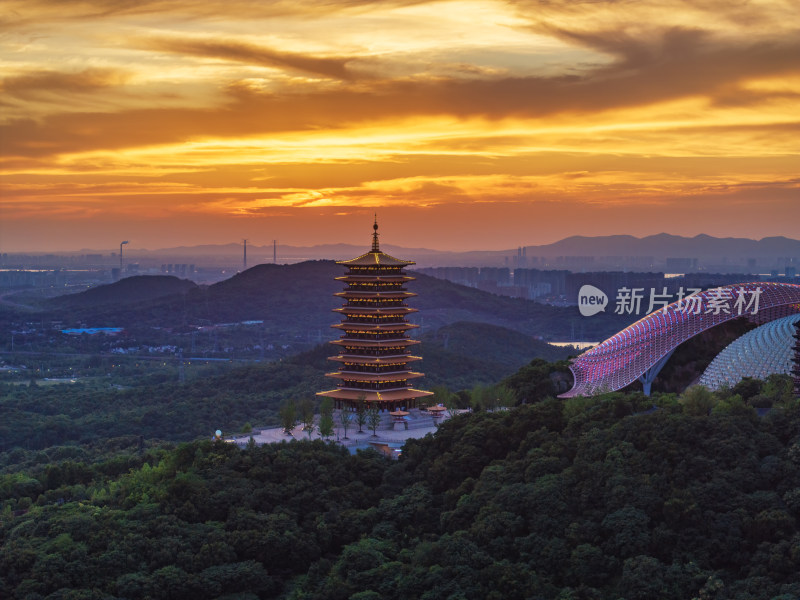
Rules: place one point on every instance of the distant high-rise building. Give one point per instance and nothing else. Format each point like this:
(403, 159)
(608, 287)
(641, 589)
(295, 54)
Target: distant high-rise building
(375, 347)
(680, 265)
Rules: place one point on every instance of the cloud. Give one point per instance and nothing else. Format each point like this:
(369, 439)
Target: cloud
(254, 55)
(50, 82)
(643, 77)
(25, 13)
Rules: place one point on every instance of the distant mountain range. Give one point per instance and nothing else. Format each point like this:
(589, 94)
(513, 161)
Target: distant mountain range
(707, 249)
(664, 245)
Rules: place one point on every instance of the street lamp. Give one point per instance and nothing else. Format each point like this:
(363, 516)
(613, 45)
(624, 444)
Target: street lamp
(120, 256)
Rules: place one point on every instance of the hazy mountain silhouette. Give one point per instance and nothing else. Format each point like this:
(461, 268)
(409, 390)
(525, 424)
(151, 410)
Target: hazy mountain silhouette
(296, 300)
(130, 290)
(663, 244)
(660, 245)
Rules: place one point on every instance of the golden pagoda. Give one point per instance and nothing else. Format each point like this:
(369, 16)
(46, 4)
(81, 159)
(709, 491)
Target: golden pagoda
(374, 346)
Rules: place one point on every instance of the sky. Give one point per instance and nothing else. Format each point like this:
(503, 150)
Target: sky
(476, 124)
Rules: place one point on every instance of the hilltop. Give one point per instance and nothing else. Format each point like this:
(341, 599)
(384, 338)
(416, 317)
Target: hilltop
(295, 302)
(131, 290)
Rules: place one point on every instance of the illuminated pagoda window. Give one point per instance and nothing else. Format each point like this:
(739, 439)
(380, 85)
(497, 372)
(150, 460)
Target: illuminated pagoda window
(375, 347)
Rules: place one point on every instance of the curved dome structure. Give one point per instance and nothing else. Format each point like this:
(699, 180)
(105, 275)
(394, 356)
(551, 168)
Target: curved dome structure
(758, 353)
(640, 350)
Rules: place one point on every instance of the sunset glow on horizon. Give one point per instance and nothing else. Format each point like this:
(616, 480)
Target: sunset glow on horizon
(466, 124)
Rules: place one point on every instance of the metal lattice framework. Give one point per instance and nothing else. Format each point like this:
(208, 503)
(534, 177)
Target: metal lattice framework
(640, 350)
(758, 353)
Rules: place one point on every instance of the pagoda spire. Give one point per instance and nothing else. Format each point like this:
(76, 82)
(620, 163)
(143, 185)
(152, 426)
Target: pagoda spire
(375, 247)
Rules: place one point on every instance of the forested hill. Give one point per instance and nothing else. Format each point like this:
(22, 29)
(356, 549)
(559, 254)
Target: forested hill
(130, 290)
(297, 300)
(592, 499)
(493, 344)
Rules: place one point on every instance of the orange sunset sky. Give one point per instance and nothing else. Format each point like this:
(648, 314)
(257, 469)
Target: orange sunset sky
(465, 124)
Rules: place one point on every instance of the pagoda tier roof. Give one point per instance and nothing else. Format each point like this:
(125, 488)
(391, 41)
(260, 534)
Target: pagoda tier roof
(401, 294)
(375, 360)
(374, 396)
(394, 376)
(374, 343)
(375, 257)
(374, 326)
(354, 278)
(367, 310)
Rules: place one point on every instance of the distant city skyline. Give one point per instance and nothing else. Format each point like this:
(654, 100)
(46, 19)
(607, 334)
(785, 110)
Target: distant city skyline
(465, 123)
(594, 249)
(157, 235)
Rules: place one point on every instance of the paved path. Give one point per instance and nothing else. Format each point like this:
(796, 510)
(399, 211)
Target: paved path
(274, 435)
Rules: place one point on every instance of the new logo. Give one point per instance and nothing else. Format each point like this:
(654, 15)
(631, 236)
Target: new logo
(591, 300)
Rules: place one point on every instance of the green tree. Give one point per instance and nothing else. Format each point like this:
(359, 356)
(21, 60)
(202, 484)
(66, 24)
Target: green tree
(307, 415)
(326, 418)
(443, 396)
(697, 400)
(374, 419)
(361, 412)
(747, 388)
(478, 397)
(325, 426)
(452, 405)
(778, 390)
(440, 394)
(345, 418)
(506, 396)
(288, 416)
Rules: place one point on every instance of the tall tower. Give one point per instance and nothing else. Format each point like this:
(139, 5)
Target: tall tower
(374, 346)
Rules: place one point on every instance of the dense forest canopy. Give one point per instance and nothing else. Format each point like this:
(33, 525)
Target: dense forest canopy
(619, 496)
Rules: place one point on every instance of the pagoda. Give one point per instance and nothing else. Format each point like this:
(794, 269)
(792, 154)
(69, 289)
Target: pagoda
(374, 346)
